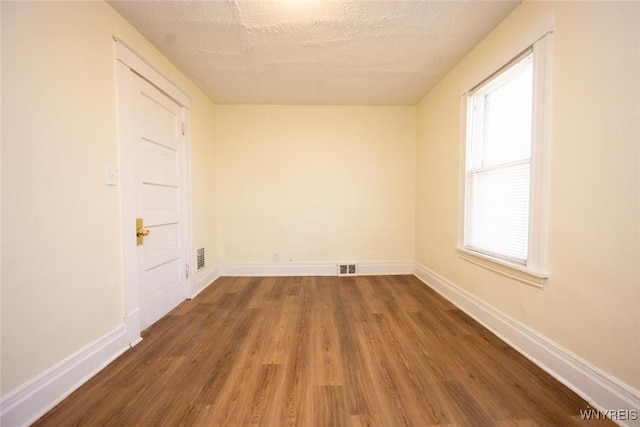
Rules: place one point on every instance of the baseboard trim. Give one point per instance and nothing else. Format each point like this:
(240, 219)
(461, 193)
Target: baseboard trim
(600, 389)
(367, 268)
(385, 268)
(278, 269)
(26, 404)
(132, 321)
(204, 279)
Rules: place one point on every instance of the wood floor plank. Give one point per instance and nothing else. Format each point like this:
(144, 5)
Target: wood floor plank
(328, 406)
(320, 351)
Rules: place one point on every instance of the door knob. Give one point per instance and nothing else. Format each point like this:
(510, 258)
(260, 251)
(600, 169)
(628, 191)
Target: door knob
(140, 231)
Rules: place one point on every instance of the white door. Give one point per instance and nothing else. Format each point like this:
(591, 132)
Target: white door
(160, 155)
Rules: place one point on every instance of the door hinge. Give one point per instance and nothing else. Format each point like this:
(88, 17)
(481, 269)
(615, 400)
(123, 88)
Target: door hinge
(186, 270)
(184, 128)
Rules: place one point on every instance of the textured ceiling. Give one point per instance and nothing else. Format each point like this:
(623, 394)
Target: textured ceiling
(315, 52)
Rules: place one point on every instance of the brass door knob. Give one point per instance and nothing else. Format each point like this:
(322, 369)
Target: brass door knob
(140, 231)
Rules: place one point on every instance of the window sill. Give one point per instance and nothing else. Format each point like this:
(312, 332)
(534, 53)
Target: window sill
(521, 274)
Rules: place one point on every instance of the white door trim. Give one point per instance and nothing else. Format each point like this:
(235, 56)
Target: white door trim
(137, 63)
(129, 62)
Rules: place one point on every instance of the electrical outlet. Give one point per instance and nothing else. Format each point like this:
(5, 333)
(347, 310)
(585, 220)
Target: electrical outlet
(276, 257)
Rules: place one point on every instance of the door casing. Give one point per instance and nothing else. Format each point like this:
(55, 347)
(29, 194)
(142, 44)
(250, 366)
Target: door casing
(128, 65)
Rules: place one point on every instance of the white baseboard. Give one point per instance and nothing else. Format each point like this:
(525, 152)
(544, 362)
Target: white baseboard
(278, 269)
(368, 268)
(203, 279)
(599, 389)
(26, 404)
(132, 321)
(389, 268)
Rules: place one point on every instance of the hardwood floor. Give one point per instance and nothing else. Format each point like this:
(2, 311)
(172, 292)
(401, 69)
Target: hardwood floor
(320, 351)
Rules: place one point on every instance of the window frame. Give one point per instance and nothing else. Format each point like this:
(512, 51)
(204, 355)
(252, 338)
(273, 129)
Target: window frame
(538, 39)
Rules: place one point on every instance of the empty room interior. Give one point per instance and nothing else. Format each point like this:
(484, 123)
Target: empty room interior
(320, 213)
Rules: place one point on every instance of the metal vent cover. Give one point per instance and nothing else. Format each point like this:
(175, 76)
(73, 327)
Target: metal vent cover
(347, 269)
(199, 259)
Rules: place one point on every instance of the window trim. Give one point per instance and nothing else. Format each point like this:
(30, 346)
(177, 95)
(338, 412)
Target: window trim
(539, 38)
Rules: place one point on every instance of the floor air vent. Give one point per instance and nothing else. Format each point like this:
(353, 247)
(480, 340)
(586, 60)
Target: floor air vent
(347, 270)
(199, 259)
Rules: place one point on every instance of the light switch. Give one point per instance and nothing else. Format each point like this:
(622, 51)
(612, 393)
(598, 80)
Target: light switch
(112, 175)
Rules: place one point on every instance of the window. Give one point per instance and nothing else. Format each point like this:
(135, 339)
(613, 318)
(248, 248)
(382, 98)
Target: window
(499, 163)
(505, 163)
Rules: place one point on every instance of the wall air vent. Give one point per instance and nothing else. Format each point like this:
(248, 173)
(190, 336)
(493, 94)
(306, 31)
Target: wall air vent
(347, 269)
(199, 259)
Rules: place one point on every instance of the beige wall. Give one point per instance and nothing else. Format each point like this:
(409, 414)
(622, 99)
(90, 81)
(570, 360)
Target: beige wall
(316, 183)
(590, 306)
(62, 285)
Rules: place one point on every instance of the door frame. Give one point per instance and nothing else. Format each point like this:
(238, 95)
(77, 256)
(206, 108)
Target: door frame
(130, 65)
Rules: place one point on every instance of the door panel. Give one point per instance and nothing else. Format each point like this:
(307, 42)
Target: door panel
(159, 198)
(162, 276)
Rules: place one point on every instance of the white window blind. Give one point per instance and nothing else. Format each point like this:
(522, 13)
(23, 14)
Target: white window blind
(498, 163)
